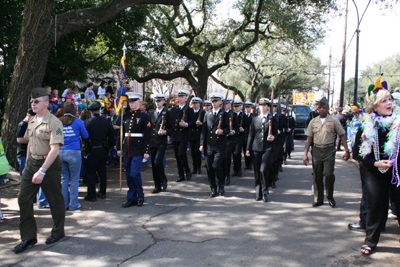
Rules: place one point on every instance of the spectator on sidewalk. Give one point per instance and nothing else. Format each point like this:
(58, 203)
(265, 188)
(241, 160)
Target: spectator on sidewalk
(70, 156)
(89, 93)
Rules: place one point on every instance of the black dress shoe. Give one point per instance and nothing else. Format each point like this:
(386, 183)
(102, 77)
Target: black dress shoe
(221, 191)
(235, 174)
(24, 245)
(91, 199)
(265, 198)
(284, 162)
(332, 202)
(281, 169)
(258, 198)
(273, 184)
(140, 201)
(180, 179)
(188, 176)
(194, 171)
(240, 173)
(129, 204)
(317, 204)
(53, 239)
(356, 227)
(213, 193)
(100, 195)
(164, 186)
(289, 157)
(156, 190)
(228, 180)
(199, 171)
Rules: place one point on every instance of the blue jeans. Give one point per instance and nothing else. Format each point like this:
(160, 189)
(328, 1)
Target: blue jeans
(21, 162)
(71, 160)
(41, 198)
(133, 167)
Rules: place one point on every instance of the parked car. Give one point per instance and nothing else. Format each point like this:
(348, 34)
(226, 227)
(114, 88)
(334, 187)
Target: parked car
(300, 115)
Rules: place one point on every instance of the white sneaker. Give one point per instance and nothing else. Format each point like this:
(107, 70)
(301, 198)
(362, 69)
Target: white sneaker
(44, 207)
(144, 160)
(391, 216)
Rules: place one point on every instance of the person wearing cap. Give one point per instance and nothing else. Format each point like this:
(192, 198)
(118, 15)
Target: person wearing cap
(213, 135)
(101, 139)
(239, 138)
(248, 117)
(42, 169)
(376, 151)
(136, 132)
(396, 94)
(339, 116)
(195, 131)
(230, 140)
(290, 125)
(160, 128)
(260, 144)
(207, 105)
(279, 142)
(180, 135)
(322, 130)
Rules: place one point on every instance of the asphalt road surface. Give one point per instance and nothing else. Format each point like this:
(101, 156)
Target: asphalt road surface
(183, 227)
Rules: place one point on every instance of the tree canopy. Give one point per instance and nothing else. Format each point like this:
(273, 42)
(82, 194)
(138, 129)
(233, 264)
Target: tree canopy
(193, 40)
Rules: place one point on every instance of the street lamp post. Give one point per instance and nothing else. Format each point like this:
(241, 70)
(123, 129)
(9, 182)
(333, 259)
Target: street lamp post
(357, 45)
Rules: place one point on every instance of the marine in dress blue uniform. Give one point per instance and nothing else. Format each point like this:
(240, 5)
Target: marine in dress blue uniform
(136, 130)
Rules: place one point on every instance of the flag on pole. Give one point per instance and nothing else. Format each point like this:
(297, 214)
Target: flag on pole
(121, 91)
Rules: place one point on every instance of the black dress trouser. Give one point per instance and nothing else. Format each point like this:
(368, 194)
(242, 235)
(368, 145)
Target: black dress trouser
(181, 157)
(262, 171)
(157, 162)
(377, 189)
(196, 154)
(96, 162)
(215, 169)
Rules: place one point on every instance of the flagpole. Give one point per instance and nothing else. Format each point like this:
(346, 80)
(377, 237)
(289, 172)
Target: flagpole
(121, 137)
(120, 145)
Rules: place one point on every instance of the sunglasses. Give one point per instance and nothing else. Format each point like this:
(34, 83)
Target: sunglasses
(36, 101)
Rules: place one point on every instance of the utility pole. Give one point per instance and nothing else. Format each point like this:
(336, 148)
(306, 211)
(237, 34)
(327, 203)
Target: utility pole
(329, 77)
(343, 58)
(357, 44)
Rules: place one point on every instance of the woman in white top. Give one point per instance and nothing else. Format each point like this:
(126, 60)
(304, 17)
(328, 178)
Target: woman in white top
(102, 90)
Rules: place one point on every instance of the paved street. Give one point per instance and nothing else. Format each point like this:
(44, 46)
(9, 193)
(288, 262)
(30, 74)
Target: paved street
(183, 227)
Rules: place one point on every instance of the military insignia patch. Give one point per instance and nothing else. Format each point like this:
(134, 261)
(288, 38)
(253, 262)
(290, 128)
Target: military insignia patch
(58, 132)
(149, 124)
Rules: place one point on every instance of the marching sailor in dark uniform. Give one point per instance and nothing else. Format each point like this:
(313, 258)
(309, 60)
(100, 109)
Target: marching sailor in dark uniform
(213, 135)
(181, 133)
(260, 143)
(230, 141)
(239, 138)
(101, 139)
(289, 135)
(195, 132)
(160, 128)
(207, 105)
(136, 132)
(279, 142)
(249, 116)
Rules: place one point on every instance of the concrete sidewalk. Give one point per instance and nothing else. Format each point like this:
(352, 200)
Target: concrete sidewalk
(183, 227)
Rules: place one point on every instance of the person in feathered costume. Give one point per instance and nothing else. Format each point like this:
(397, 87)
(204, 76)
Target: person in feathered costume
(375, 151)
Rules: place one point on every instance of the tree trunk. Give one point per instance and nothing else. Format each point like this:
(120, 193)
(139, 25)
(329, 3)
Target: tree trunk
(202, 81)
(29, 69)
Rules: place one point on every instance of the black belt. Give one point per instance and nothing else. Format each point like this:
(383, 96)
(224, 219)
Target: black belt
(97, 147)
